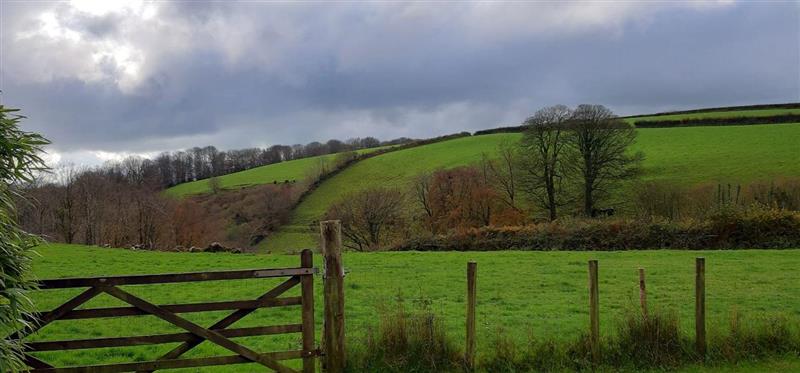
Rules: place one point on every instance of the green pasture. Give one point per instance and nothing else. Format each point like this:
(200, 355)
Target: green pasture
(543, 294)
(684, 155)
(297, 169)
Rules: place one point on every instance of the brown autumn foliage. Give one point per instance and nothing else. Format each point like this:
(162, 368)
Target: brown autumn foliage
(251, 214)
(461, 198)
(189, 224)
(96, 208)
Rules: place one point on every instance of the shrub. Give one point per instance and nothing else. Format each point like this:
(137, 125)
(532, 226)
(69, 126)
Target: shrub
(19, 159)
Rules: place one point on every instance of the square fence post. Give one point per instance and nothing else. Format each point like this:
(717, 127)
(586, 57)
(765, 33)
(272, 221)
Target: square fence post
(333, 329)
(472, 272)
(594, 313)
(700, 306)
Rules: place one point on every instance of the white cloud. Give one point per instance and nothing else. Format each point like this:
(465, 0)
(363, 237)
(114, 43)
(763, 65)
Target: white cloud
(62, 46)
(283, 35)
(104, 79)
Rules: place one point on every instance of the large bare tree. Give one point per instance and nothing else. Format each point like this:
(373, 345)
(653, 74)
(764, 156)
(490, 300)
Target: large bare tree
(599, 144)
(542, 162)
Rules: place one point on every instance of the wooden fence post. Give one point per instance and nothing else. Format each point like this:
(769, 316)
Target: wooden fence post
(333, 328)
(594, 312)
(472, 272)
(700, 306)
(307, 285)
(642, 293)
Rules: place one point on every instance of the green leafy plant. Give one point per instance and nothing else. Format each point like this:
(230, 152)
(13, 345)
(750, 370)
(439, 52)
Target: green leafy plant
(19, 160)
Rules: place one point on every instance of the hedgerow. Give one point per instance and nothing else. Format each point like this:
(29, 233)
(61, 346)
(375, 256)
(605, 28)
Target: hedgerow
(750, 228)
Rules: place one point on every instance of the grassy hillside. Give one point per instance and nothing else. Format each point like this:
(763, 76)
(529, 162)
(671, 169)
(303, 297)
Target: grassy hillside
(716, 114)
(547, 299)
(395, 169)
(296, 169)
(685, 155)
(720, 154)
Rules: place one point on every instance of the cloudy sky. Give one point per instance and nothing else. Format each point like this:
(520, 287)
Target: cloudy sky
(103, 79)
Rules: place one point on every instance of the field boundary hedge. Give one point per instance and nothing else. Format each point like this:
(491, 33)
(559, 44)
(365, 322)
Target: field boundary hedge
(750, 229)
(729, 121)
(788, 105)
(687, 122)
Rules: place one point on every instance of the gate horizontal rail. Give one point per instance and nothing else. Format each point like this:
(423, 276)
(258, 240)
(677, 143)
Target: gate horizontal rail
(93, 313)
(219, 333)
(79, 282)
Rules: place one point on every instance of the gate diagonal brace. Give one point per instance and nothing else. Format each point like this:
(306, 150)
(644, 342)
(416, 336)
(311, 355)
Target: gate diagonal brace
(209, 335)
(229, 320)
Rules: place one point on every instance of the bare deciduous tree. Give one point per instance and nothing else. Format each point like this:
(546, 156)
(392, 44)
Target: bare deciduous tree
(422, 185)
(503, 173)
(599, 145)
(542, 168)
(369, 216)
(66, 210)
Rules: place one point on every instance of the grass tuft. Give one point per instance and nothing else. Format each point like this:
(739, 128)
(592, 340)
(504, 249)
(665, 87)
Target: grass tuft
(752, 338)
(407, 341)
(650, 341)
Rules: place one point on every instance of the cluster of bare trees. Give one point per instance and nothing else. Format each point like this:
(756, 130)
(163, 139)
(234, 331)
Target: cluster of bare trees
(112, 206)
(575, 155)
(119, 205)
(172, 168)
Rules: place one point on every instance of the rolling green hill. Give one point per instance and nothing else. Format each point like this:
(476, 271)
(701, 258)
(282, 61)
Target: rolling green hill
(296, 169)
(686, 155)
(299, 168)
(395, 169)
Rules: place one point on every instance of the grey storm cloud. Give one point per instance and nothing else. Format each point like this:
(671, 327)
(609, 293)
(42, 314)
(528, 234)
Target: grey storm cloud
(143, 77)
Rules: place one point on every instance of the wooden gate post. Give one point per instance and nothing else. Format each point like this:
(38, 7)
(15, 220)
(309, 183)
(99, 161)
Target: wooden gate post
(642, 293)
(333, 328)
(594, 313)
(307, 294)
(472, 272)
(700, 306)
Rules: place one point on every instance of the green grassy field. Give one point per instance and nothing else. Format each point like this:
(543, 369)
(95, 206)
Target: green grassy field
(543, 293)
(685, 155)
(296, 169)
(717, 114)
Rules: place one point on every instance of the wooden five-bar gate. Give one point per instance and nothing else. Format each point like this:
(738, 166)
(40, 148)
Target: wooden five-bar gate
(220, 333)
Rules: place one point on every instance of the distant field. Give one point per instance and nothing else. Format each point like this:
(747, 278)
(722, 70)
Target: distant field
(543, 293)
(296, 169)
(717, 114)
(685, 155)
